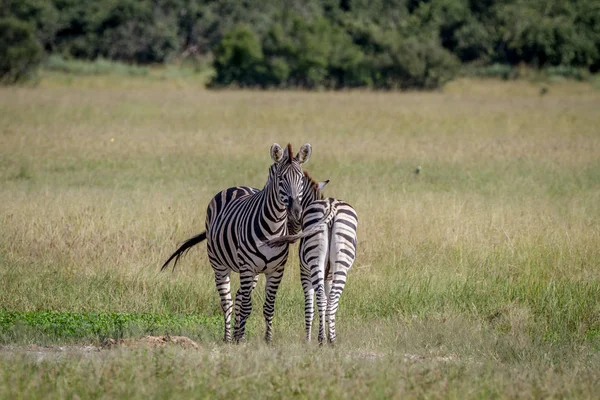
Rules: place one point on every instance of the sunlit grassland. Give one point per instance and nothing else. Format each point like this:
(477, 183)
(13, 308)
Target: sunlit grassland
(487, 260)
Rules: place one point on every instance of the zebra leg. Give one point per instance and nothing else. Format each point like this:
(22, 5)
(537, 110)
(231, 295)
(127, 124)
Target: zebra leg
(223, 284)
(342, 253)
(328, 297)
(309, 299)
(337, 287)
(332, 307)
(271, 286)
(322, 306)
(243, 304)
(318, 280)
(316, 248)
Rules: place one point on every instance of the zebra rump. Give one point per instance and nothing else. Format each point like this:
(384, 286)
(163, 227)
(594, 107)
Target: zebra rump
(318, 227)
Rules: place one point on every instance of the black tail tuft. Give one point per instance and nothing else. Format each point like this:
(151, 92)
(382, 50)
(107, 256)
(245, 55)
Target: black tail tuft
(184, 248)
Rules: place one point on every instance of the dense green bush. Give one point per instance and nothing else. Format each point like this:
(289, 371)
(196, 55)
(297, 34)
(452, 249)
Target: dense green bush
(413, 63)
(20, 53)
(40, 15)
(314, 43)
(311, 54)
(239, 58)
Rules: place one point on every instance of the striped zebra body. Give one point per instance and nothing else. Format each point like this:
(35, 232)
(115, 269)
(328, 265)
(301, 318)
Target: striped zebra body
(327, 251)
(325, 258)
(238, 220)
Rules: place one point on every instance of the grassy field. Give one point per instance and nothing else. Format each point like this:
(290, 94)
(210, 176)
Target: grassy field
(477, 278)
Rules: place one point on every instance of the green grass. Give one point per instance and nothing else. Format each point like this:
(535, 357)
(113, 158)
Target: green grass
(99, 66)
(476, 278)
(546, 74)
(103, 73)
(57, 327)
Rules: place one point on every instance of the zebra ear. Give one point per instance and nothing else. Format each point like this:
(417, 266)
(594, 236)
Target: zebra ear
(323, 184)
(276, 152)
(304, 153)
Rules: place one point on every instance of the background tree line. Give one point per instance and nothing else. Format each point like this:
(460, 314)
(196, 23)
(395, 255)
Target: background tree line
(292, 43)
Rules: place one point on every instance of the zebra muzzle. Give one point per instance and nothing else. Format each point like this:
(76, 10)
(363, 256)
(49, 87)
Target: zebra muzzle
(295, 210)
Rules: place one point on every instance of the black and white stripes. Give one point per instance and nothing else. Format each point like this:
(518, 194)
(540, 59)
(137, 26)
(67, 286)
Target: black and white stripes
(249, 231)
(238, 221)
(327, 251)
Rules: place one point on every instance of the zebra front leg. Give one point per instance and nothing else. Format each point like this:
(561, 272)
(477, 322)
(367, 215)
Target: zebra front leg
(272, 284)
(309, 299)
(223, 284)
(243, 304)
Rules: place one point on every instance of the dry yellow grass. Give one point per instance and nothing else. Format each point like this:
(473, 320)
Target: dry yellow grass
(490, 255)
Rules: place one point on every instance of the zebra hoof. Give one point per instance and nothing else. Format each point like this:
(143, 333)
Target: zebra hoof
(240, 340)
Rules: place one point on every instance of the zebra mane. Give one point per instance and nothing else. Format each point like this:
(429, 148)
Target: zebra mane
(314, 184)
(290, 153)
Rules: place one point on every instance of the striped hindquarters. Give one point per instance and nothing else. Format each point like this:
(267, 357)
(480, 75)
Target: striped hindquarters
(341, 228)
(326, 255)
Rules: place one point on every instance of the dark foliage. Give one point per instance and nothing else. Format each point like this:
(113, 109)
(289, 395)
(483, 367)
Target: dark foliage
(20, 53)
(328, 43)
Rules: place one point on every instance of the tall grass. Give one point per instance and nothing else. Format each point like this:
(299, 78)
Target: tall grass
(478, 277)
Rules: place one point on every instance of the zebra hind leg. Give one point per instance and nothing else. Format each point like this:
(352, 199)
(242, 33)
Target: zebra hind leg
(322, 306)
(337, 283)
(332, 306)
(223, 284)
(243, 304)
(271, 286)
(309, 299)
(318, 271)
(329, 318)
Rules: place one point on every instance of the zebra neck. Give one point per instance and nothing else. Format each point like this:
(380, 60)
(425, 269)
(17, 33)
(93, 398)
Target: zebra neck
(273, 209)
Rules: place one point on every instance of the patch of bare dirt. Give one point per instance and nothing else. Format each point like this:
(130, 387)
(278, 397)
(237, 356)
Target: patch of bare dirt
(151, 341)
(419, 357)
(147, 341)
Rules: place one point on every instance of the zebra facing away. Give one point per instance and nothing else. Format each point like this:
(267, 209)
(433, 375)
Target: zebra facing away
(327, 251)
(238, 220)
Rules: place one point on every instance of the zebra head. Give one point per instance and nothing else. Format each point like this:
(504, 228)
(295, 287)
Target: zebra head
(289, 176)
(312, 191)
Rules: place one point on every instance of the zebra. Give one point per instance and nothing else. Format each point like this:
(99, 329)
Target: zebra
(312, 192)
(238, 220)
(327, 251)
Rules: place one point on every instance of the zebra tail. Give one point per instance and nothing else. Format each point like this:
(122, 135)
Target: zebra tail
(318, 227)
(184, 248)
(289, 239)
